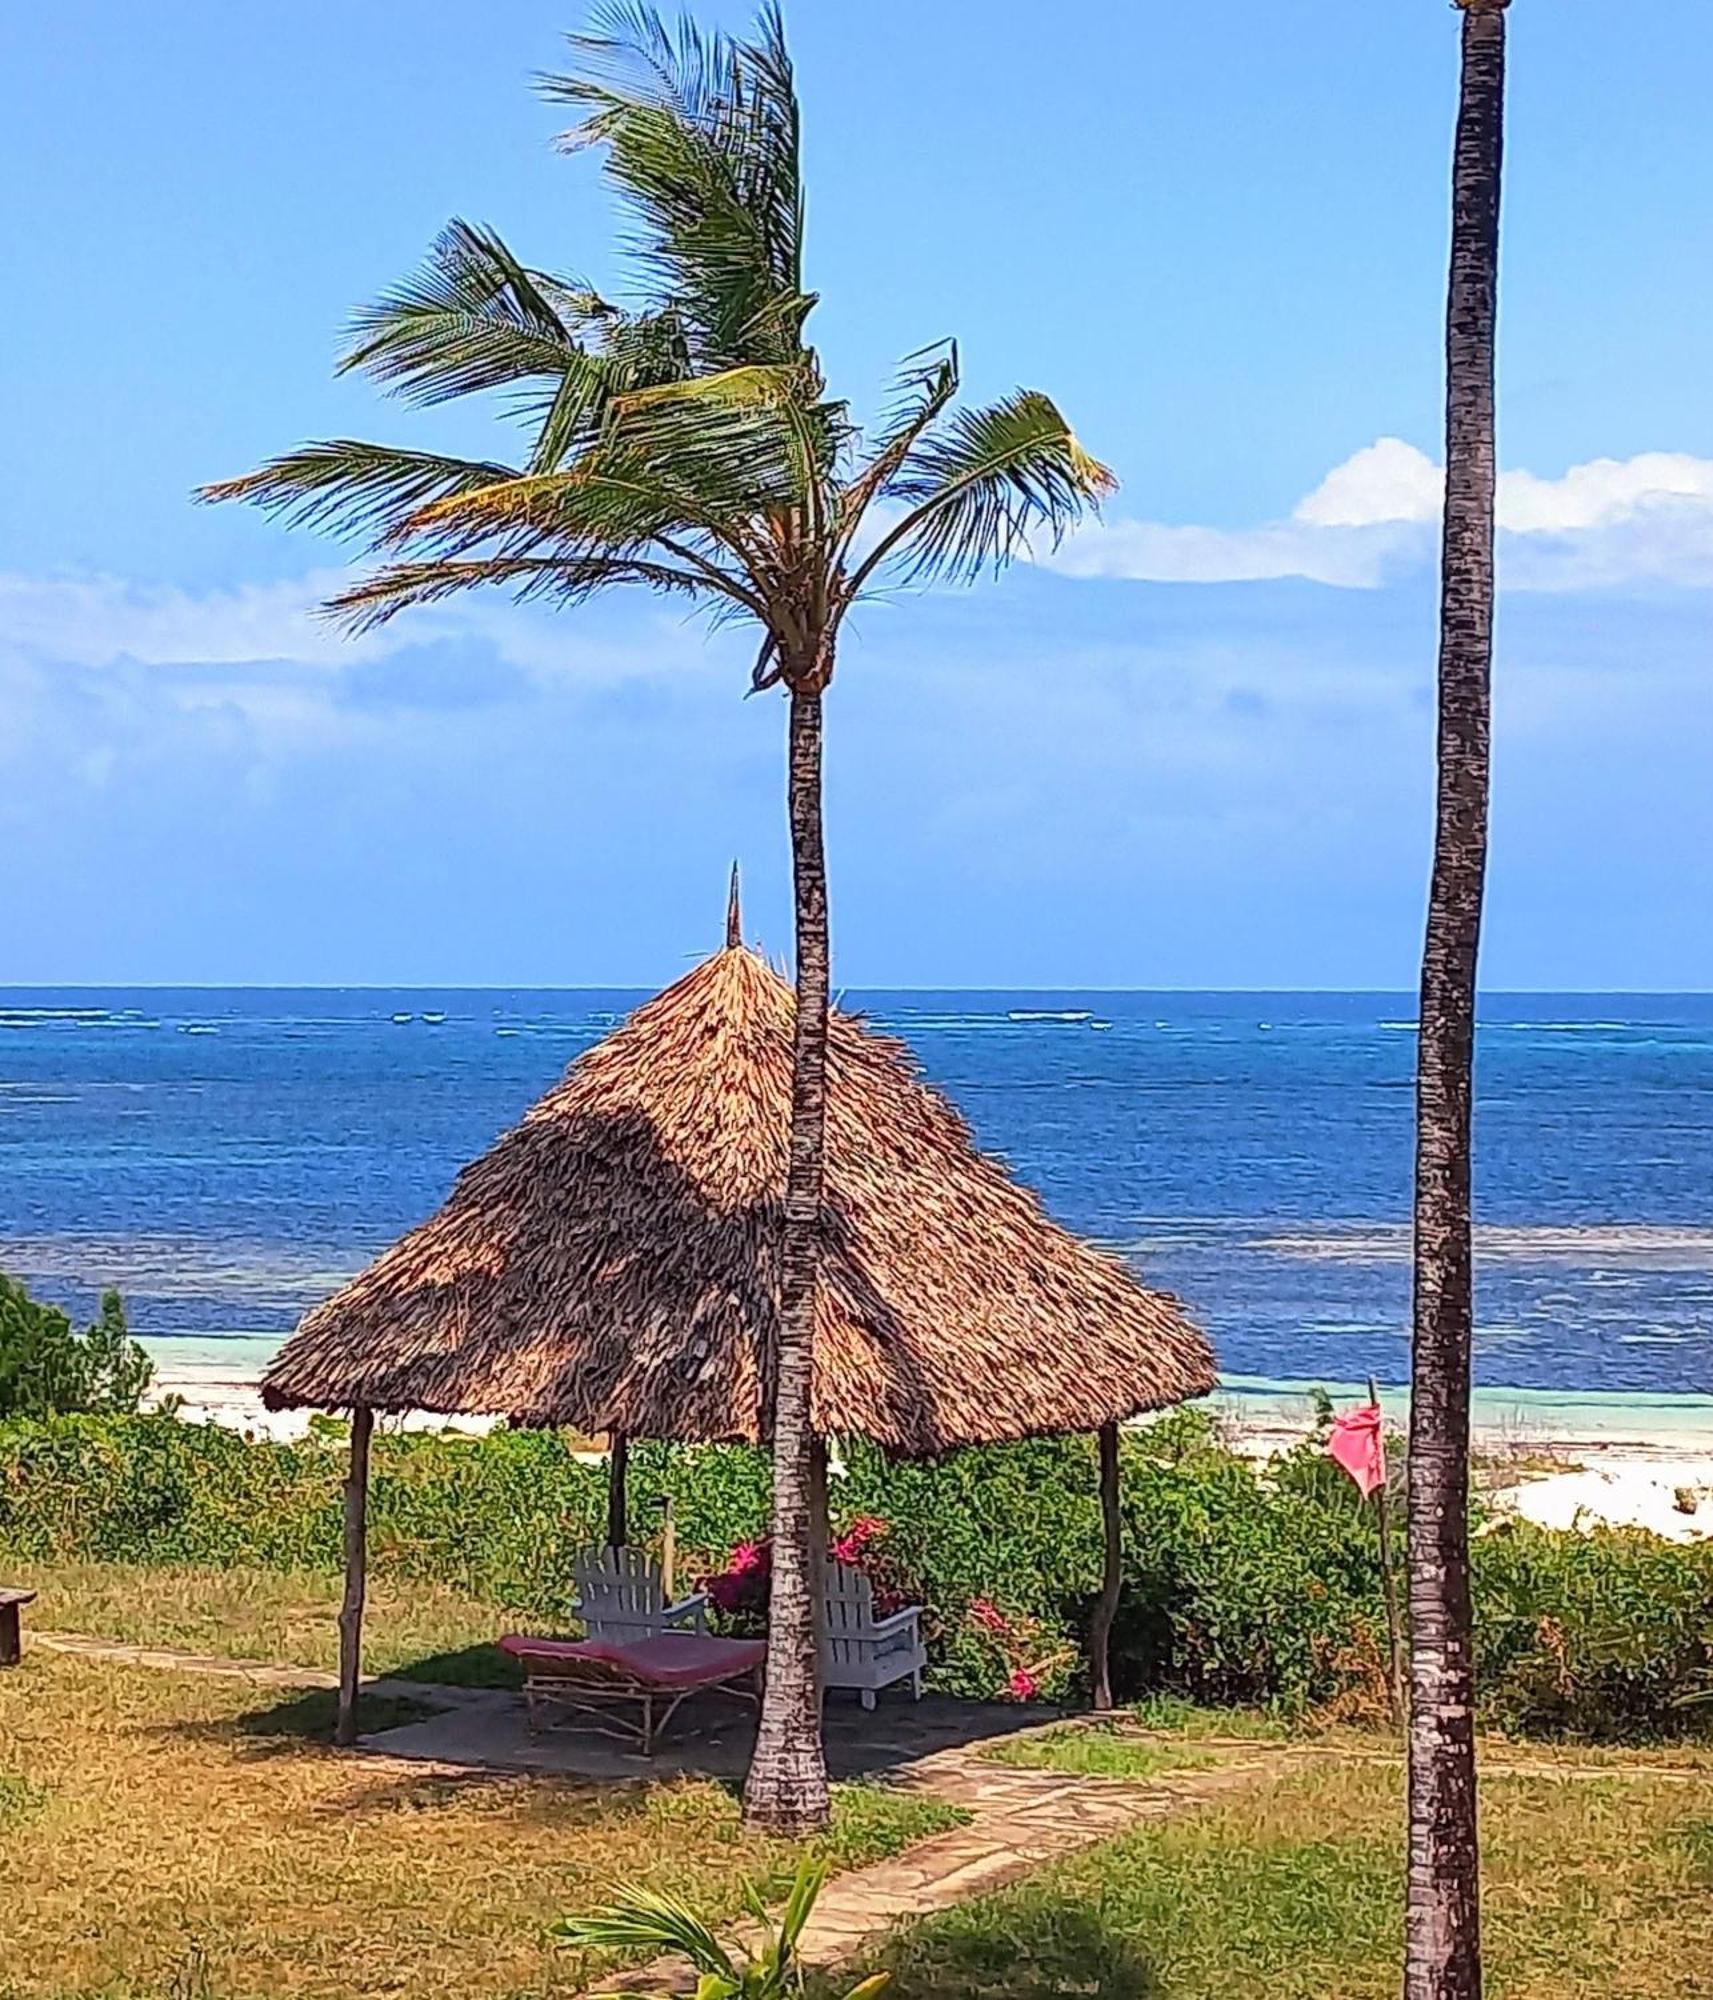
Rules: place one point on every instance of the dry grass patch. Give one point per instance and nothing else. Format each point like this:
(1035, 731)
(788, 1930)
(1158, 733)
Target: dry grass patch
(162, 1832)
(418, 1628)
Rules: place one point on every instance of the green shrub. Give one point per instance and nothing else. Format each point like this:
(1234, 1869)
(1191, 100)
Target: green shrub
(1255, 1585)
(47, 1368)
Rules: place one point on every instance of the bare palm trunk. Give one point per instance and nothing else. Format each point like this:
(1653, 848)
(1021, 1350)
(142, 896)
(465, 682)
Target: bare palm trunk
(1443, 1937)
(787, 1788)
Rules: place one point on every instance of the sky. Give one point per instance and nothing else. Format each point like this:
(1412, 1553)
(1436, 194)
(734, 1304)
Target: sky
(1190, 748)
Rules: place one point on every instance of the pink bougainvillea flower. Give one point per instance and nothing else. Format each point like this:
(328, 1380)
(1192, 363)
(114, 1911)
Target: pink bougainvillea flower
(1021, 1685)
(988, 1615)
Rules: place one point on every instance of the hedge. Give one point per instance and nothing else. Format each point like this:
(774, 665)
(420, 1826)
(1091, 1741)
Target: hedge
(1241, 1583)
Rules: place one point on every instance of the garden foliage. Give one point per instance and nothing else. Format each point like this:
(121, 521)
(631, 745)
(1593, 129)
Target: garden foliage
(1242, 1584)
(47, 1368)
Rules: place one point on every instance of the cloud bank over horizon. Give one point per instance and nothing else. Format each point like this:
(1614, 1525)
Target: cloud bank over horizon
(1606, 524)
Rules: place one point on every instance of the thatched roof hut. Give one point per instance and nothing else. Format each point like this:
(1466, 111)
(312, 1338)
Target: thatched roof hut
(612, 1263)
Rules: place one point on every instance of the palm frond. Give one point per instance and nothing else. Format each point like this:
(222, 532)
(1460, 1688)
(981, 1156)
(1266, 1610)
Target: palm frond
(927, 382)
(648, 1920)
(564, 580)
(703, 144)
(353, 488)
(473, 318)
(978, 488)
(763, 436)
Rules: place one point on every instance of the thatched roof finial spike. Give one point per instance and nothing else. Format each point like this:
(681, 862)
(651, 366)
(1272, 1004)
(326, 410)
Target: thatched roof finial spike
(734, 915)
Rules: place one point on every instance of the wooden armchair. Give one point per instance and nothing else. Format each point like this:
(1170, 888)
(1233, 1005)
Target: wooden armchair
(620, 1597)
(861, 1651)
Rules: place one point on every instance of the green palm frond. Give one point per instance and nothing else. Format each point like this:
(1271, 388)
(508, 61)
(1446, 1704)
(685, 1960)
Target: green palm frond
(473, 318)
(353, 488)
(927, 382)
(640, 1919)
(564, 580)
(763, 435)
(702, 142)
(979, 487)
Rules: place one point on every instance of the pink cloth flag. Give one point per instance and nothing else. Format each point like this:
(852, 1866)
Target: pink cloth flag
(1357, 1445)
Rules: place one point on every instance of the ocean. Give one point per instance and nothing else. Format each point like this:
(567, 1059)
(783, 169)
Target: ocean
(227, 1157)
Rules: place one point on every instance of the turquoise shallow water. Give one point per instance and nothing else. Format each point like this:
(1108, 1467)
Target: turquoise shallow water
(227, 1157)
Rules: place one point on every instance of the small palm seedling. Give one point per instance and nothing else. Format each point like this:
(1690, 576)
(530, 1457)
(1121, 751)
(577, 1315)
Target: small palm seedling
(649, 1920)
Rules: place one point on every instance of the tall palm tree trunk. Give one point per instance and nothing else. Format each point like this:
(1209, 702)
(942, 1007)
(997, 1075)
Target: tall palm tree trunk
(787, 1788)
(1443, 1937)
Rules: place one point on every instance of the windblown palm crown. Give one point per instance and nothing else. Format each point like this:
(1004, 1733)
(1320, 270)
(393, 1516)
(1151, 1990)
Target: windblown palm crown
(685, 442)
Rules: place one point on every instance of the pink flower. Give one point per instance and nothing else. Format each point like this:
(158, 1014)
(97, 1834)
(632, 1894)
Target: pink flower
(1021, 1685)
(850, 1546)
(747, 1558)
(988, 1615)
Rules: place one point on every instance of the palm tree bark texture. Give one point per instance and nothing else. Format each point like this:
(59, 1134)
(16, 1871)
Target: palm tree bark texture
(1442, 1927)
(787, 1785)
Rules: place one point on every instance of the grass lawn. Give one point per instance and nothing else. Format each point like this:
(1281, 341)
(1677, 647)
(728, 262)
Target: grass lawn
(1100, 1750)
(1290, 1891)
(168, 1834)
(420, 1630)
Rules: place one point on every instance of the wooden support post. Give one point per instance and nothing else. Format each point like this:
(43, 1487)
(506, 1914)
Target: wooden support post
(1112, 1574)
(668, 1549)
(618, 1470)
(356, 1575)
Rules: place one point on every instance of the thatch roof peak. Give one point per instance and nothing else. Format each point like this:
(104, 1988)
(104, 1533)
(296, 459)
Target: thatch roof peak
(612, 1261)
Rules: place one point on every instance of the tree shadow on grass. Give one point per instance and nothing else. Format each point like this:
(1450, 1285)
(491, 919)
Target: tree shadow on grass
(1051, 1947)
(298, 1719)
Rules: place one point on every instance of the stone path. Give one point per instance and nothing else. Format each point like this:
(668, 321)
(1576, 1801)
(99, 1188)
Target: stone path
(1018, 1821)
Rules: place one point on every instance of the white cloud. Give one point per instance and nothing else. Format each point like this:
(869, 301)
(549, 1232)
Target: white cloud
(1606, 524)
(97, 621)
(1387, 480)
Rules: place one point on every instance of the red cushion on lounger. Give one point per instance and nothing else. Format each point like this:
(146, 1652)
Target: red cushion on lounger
(670, 1660)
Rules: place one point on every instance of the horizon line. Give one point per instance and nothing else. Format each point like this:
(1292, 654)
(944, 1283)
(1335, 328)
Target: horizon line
(854, 986)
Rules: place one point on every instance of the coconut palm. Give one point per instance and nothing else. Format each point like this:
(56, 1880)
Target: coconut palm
(1443, 1950)
(684, 440)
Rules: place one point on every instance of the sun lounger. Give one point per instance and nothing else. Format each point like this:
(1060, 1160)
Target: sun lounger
(632, 1690)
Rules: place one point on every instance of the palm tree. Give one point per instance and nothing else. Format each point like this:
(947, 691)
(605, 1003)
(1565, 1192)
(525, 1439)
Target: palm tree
(1443, 1938)
(685, 441)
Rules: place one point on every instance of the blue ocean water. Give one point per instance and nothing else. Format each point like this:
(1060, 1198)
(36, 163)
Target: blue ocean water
(226, 1157)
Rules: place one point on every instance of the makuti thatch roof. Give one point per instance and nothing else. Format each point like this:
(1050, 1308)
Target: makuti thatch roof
(612, 1262)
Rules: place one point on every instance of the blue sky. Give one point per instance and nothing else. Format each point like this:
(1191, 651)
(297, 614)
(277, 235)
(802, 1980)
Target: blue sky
(1193, 749)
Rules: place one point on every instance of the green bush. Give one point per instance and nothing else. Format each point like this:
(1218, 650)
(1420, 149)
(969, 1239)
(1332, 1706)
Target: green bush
(1242, 1583)
(47, 1369)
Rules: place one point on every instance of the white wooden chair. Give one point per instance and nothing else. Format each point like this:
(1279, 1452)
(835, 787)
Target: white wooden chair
(864, 1652)
(620, 1597)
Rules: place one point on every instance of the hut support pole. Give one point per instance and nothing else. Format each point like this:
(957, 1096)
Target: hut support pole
(618, 1474)
(1100, 1638)
(356, 1575)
